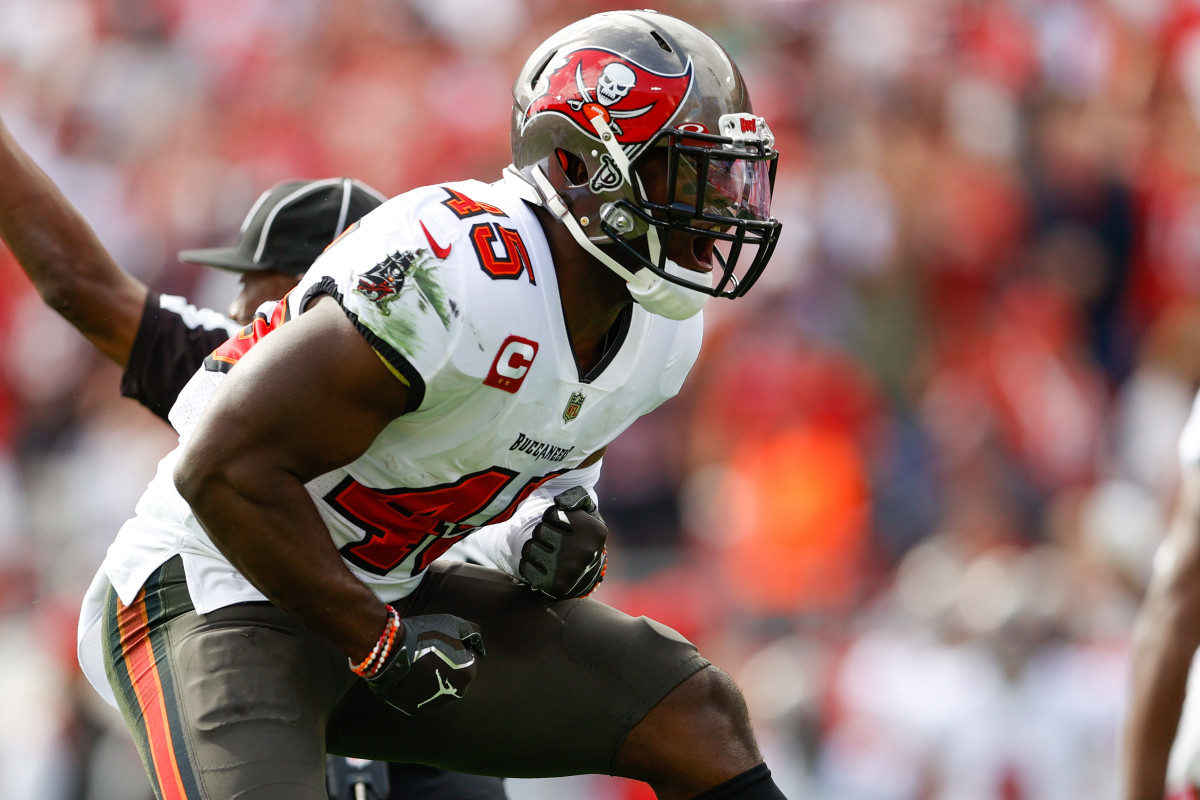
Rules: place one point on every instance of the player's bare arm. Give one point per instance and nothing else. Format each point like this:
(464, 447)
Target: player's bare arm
(61, 254)
(308, 398)
(1166, 636)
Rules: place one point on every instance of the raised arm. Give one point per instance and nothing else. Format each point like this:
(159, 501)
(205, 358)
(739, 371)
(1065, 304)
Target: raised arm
(308, 398)
(61, 254)
(1166, 635)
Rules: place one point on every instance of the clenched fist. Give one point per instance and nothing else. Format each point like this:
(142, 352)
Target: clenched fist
(566, 556)
(434, 665)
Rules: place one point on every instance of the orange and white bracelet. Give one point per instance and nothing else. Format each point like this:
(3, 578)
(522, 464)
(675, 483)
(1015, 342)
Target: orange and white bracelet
(370, 666)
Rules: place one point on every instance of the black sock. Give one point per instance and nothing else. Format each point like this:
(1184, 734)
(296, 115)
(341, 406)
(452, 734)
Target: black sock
(753, 784)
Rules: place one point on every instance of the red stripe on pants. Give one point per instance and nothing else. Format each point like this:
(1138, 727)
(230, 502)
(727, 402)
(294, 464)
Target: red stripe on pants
(138, 655)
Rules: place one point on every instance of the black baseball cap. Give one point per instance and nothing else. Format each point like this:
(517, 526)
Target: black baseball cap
(290, 225)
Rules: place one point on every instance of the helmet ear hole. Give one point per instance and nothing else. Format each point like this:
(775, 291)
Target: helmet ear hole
(572, 166)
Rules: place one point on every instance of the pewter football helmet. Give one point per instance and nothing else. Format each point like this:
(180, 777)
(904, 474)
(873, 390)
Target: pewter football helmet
(617, 89)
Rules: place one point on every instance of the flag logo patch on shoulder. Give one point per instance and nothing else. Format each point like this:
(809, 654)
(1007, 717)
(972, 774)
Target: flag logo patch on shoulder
(382, 283)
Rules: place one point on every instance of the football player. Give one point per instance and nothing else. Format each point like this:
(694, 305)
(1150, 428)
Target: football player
(1160, 748)
(454, 365)
(161, 340)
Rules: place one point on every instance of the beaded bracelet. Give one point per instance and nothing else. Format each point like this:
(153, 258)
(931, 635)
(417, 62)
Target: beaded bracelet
(370, 666)
(374, 662)
(387, 646)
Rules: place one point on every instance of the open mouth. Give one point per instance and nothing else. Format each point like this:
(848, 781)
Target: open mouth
(702, 250)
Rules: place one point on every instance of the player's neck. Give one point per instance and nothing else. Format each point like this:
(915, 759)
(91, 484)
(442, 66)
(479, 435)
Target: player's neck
(591, 312)
(591, 294)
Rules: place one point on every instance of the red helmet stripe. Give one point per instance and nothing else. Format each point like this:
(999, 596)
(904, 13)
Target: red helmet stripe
(636, 101)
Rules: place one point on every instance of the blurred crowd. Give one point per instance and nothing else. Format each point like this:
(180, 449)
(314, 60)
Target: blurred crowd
(911, 493)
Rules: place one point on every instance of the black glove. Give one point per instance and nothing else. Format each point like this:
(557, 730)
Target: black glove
(566, 556)
(434, 665)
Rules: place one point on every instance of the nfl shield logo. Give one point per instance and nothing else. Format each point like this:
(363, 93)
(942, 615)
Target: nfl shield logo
(573, 406)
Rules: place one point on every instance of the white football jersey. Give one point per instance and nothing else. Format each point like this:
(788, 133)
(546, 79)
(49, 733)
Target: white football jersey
(454, 287)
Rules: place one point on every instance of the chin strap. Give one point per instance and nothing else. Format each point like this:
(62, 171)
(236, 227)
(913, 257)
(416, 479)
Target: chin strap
(651, 291)
(552, 202)
(609, 139)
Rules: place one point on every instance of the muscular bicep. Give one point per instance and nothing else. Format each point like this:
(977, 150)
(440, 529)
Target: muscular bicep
(308, 398)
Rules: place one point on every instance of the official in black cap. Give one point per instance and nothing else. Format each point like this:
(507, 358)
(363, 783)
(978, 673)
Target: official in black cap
(290, 224)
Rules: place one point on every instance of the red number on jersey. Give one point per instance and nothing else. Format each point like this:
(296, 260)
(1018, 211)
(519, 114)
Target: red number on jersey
(418, 525)
(526, 490)
(464, 207)
(414, 525)
(512, 258)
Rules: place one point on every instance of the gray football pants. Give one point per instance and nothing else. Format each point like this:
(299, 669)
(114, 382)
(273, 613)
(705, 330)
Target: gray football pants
(245, 703)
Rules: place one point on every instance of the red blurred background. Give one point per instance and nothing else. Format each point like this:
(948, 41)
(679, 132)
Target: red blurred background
(909, 496)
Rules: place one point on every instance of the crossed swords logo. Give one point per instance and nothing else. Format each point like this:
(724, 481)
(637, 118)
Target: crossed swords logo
(613, 86)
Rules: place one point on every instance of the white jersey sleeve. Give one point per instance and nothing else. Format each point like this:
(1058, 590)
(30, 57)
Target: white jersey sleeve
(396, 282)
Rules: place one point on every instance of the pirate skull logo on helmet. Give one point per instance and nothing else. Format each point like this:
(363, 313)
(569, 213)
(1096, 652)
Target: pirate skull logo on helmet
(614, 83)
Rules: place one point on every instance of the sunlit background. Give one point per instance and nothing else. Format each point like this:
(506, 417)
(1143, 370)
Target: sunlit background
(910, 494)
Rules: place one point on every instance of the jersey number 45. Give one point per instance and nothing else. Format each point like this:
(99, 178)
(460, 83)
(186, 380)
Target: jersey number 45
(412, 527)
